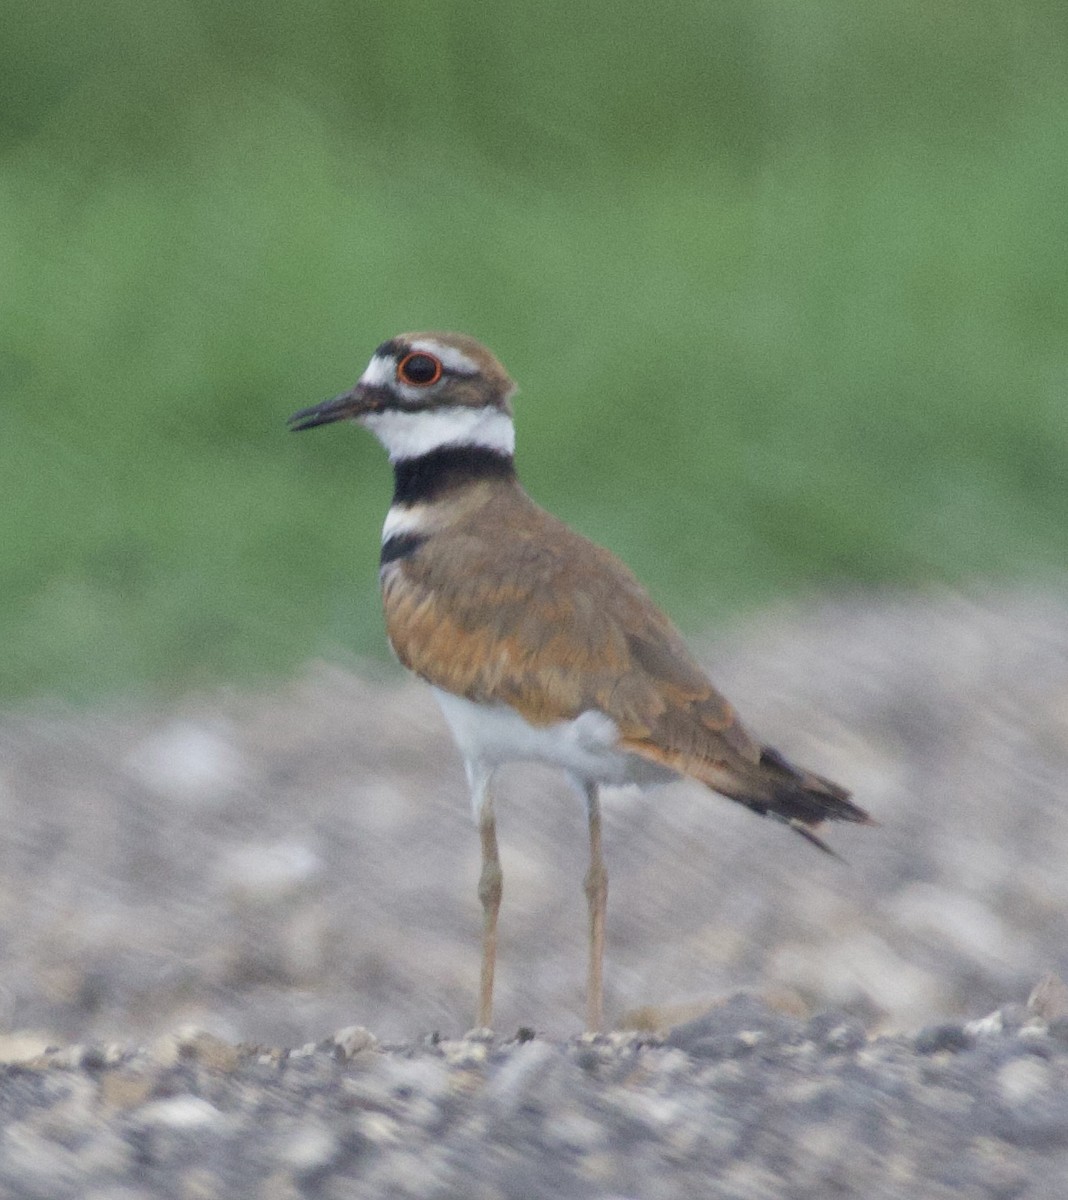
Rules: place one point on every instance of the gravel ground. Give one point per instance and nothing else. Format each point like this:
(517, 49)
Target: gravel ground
(266, 869)
(741, 1103)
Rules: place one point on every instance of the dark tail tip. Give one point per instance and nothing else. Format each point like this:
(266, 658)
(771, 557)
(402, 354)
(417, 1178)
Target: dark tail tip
(809, 835)
(805, 799)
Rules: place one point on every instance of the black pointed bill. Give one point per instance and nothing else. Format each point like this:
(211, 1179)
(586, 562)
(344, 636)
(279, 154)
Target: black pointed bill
(349, 404)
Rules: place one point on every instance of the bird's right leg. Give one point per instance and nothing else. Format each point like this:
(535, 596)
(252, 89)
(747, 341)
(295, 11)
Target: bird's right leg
(596, 887)
(489, 892)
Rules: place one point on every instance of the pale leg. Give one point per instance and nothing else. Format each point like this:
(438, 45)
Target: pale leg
(596, 886)
(489, 893)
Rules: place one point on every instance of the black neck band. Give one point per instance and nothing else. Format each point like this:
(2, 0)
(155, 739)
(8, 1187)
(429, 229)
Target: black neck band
(400, 545)
(423, 478)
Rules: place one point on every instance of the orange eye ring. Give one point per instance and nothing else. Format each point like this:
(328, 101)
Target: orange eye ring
(419, 369)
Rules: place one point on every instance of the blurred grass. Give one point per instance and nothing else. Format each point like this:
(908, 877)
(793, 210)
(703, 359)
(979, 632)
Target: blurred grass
(784, 285)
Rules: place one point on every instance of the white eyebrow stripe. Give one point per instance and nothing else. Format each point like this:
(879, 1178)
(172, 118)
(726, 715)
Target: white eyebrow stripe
(451, 358)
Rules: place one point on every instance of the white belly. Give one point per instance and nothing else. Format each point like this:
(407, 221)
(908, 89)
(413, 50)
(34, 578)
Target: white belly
(490, 735)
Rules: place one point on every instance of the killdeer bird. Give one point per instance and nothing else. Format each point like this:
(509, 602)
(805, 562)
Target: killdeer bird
(538, 644)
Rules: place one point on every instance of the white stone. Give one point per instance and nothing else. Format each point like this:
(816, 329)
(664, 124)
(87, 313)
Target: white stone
(187, 762)
(181, 1112)
(1023, 1079)
(309, 1149)
(266, 873)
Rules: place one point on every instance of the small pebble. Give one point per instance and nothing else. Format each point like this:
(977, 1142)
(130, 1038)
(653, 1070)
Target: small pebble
(949, 1036)
(353, 1040)
(180, 1112)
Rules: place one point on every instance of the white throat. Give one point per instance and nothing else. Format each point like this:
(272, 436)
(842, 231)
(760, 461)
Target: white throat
(413, 434)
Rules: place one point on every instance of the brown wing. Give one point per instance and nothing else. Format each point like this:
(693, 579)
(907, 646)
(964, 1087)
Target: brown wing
(553, 625)
(550, 623)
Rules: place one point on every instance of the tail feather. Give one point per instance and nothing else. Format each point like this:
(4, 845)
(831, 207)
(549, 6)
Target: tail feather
(767, 784)
(799, 798)
(813, 839)
(800, 795)
(771, 786)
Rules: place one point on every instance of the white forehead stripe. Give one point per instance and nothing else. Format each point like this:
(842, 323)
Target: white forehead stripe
(451, 358)
(413, 434)
(380, 370)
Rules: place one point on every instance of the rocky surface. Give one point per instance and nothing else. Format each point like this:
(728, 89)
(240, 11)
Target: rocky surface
(739, 1103)
(270, 867)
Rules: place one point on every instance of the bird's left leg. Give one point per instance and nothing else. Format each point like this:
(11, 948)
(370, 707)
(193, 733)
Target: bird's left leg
(490, 886)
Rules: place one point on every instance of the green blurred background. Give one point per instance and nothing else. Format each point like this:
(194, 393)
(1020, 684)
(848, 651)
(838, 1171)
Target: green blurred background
(784, 283)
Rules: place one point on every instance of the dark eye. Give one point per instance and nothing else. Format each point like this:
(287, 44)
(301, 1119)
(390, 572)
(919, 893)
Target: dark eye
(419, 369)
